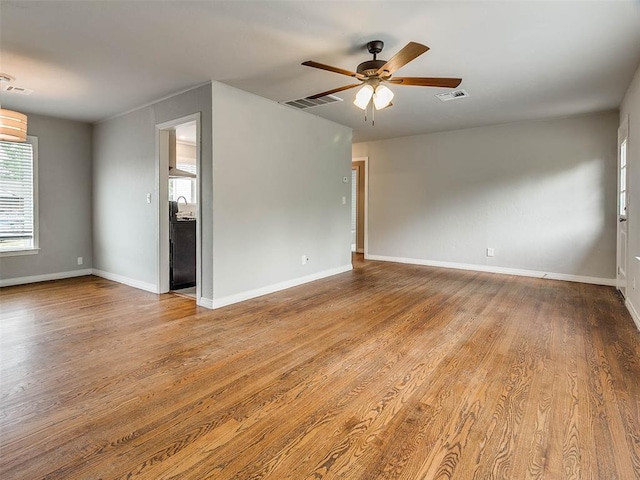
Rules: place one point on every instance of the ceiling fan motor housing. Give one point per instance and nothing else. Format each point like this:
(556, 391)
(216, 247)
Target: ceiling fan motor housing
(370, 67)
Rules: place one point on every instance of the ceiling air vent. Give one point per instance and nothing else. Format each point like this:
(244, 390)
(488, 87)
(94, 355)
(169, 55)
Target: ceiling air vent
(18, 90)
(445, 97)
(304, 103)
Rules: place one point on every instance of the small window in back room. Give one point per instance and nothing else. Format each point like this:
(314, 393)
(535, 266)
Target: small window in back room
(185, 161)
(184, 188)
(18, 196)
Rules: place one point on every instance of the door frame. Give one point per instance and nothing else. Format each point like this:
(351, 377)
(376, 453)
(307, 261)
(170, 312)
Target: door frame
(366, 202)
(162, 204)
(622, 264)
(355, 168)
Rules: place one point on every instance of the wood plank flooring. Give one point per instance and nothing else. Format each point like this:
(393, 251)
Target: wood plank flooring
(387, 372)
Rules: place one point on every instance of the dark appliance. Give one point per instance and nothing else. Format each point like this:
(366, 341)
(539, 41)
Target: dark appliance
(182, 253)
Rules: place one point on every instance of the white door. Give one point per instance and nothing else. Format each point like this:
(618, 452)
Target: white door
(623, 208)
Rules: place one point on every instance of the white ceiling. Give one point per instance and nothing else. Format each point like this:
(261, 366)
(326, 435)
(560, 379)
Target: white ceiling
(518, 60)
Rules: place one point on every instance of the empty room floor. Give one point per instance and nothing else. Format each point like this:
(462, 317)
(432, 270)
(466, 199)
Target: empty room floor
(388, 371)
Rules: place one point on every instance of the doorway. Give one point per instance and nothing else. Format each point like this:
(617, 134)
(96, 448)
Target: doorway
(179, 206)
(359, 204)
(623, 208)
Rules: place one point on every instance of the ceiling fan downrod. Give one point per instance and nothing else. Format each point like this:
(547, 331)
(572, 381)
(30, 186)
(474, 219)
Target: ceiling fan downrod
(375, 47)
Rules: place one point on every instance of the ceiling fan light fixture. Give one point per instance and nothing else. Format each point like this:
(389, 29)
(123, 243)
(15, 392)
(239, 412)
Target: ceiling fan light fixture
(363, 97)
(382, 97)
(13, 126)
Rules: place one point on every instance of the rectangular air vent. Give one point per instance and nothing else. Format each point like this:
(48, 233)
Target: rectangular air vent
(304, 103)
(445, 97)
(18, 90)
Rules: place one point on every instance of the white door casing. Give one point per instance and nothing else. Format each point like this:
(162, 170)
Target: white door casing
(366, 201)
(623, 208)
(162, 203)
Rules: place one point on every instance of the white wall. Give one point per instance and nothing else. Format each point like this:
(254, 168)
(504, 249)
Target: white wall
(542, 194)
(630, 109)
(64, 199)
(277, 195)
(124, 171)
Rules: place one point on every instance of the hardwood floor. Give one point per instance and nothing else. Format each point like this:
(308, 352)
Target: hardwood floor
(389, 371)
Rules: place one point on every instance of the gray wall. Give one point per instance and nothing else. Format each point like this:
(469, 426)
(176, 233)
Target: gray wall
(275, 181)
(124, 171)
(542, 194)
(64, 199)
(631, 108)
(277, 193)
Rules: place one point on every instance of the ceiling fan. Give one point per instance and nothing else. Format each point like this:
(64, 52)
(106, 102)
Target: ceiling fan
(373, 74)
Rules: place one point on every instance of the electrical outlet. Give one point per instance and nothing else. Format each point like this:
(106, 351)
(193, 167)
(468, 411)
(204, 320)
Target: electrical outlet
(80, 261)
(489, 252)
(344, 200)
(305, 259)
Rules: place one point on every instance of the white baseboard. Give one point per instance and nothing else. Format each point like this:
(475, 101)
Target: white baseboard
(149, 287)
(611, 282)
(258, 292)
(633, 312)
(44, 278)
(205, 302)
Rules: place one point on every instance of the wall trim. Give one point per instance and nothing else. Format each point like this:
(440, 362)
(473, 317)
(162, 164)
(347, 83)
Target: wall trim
(634, 313)
(149, 287)
(611, 282)
(151, 103)
(258, 292)
(205, 302)
(9, 282)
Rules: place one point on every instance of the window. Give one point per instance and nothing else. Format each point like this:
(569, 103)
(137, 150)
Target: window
(18, 197)
(183, 187)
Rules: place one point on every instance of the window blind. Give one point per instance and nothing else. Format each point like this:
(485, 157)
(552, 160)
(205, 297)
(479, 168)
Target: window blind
(16, 194)
(187, 167)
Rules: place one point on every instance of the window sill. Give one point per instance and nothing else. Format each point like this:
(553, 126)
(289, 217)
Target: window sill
(16, 253)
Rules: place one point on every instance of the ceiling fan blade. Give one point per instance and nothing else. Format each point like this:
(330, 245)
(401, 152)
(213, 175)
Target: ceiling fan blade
(426, 81)
(410, 51)
(329, 68)
(335, 90)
